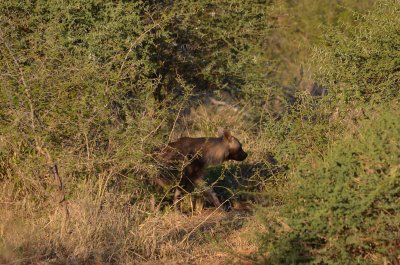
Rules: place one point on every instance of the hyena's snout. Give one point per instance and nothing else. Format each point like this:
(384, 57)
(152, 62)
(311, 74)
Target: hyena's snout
(241, 155)
(238, 155)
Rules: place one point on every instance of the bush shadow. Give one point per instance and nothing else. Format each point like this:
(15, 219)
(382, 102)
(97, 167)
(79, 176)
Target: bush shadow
(238, 183)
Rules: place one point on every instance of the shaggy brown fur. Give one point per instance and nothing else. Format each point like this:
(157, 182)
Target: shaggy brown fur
(190, 156)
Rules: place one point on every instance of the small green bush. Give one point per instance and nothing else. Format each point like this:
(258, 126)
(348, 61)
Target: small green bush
(346, 210)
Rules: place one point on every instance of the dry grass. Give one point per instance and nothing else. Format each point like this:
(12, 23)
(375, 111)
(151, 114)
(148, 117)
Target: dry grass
(114, 232)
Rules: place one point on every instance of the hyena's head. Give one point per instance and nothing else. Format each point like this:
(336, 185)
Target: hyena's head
(235, 149)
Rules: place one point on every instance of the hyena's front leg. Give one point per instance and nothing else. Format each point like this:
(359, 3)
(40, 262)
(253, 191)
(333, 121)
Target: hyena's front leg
(177, 199)
(208, 192)
(211, 196)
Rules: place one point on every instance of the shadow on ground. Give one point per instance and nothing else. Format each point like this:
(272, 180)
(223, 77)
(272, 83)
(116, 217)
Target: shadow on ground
(240, 183)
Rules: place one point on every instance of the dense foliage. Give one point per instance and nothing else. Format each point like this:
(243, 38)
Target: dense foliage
(80, 76)
(345, 208)
(343, 204)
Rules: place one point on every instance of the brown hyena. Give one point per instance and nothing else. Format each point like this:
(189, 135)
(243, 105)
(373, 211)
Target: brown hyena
(183, 162)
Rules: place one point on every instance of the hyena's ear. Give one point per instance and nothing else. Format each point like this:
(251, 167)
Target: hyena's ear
(225, 134)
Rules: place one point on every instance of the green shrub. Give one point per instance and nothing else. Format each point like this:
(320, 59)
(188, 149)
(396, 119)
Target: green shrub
(361, 63)
(346, 209)
(341, 204)
(77, 80)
